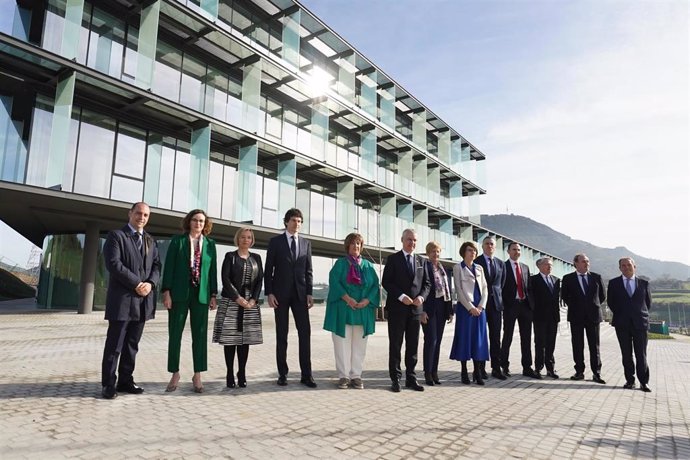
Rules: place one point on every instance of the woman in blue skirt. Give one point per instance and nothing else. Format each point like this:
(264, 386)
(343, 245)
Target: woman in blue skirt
(470, 340)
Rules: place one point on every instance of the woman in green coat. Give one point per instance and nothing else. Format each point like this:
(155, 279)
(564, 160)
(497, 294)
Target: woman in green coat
(353, 297)
(190, 285)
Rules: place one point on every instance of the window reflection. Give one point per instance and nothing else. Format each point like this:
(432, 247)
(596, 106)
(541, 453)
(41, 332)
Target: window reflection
(131, 151)
(94, 155)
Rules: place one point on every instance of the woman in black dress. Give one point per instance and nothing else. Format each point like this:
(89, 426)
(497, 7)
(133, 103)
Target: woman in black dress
(238, 321)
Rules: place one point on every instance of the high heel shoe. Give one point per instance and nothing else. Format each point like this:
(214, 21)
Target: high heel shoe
(230, 381)
(172, 385)
(197, 388)
(241, 380)
(464, 378)
(477, 377)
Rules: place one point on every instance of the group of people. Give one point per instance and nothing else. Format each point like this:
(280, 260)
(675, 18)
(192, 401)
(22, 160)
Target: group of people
(491, 294)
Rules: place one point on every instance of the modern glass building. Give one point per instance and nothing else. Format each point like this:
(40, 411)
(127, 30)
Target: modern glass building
(243, 108)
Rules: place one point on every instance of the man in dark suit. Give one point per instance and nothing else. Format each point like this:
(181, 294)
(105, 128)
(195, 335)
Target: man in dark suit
(407, 284)
(544, 292)
(516, 307)
(583, 293)
(131, 258)
(495, 278)
(630, 300)
(288, 283)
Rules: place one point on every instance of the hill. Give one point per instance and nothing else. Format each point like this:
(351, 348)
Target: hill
(604, 260)
(12, 287)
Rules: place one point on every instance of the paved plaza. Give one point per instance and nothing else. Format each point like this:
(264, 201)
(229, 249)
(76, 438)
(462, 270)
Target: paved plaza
(50, 405)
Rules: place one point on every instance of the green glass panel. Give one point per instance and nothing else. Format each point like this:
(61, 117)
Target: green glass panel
(455, 191)
(444, 147)
(198, 181)
(388, 108)
(287, 181)
(152, 179)
(62, 113)
(367, 151)
(419, 179)
(405, 219)
(319, 131)
(403, 180)
(246, 183)
(388, 219)
(419, 129)
(474, 211)
(148, 37)
(74, 9)
(368, 96)
(251, 97)
(303, 204)
(456, 155)
(346, 77)
(346, 218)
(447, 240)
(433, 184)
(421, 225)
(291, 39)
(12, 147)
(210, 7)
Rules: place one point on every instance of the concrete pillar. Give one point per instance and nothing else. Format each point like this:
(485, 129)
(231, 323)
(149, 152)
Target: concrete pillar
(87, 283)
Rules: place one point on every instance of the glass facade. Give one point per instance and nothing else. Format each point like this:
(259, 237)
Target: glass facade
(241, 108)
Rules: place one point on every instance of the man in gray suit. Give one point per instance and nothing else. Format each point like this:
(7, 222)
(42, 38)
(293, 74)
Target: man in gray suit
(131, 258)
(630, 301)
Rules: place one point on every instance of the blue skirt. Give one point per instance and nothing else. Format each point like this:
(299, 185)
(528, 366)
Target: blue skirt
(470, 340)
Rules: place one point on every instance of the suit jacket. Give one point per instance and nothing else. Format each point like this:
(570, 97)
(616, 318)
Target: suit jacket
(544, 303)
(629, 311)
(397, 280)
(127, 268)
(464, 285)
(495, 281)
(283, 272)
(583, 308)
(429, 301)
(177, 273)
(232, 275)
(510, 286)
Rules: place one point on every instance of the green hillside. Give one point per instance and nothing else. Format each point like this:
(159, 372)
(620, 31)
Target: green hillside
(12, 287)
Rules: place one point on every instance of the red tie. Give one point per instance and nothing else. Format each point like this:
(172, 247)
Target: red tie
(520, 290)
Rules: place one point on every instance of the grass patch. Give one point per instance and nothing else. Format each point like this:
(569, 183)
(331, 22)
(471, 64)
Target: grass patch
(655, 336)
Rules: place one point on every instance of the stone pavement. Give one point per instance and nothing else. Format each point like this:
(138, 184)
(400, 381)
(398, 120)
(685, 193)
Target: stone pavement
(50, 405)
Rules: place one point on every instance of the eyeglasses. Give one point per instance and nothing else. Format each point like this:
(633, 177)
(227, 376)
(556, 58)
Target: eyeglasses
(201, 221)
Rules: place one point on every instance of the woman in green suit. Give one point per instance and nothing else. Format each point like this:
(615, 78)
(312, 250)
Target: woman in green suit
(353, 296)
(190, 285)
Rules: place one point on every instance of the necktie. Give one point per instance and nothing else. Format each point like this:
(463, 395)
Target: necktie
(293, 247)
(410, 266)
(138, 240)
(585, 285)
(489, 267)
(520, 289)
(629, 287)
(549, 283)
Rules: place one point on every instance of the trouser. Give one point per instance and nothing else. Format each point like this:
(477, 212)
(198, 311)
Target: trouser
(198, 323)
(300, 314)
(402, 323)
(433, 334)
(544, 344)
(635, 340)
(121, 344)
(517, 310)
(577, 333)
(494, 319)
(350, 351)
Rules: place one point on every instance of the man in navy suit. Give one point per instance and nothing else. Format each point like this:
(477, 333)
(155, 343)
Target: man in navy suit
(131, 258)
(288, 283)
(543, 293)
(630, 300)
(496, 279)
(516, 308)
(407, 284)
(583, 293)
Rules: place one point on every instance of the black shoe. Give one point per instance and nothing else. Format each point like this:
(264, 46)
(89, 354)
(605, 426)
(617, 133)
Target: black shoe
(529, 372)
(498, 374)
(428, 380)
(537, 375)
(597, 378)
(506, 372)
(464, 378)
(282, 381)
(308, 382)
(629, 386)
(578, 376)
(395, 386)
(230, 381)
(644, 387)
(552, 374)
(412, 384)
(477, 377)
(434, 377)
(109, 392)
(130, 388)
(241, 380)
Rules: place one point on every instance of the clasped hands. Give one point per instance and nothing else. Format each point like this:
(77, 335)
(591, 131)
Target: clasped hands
(246, 304)
(416, 302)
(273, 302)
(352, 303)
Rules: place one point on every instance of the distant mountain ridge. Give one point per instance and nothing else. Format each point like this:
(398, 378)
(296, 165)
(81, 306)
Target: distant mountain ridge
(604, 260)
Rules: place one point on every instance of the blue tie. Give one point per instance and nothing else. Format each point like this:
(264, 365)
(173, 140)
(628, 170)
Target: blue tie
(629, 287)
(410, 265)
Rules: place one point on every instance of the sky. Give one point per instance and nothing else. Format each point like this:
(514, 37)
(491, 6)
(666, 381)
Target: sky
(581, 107)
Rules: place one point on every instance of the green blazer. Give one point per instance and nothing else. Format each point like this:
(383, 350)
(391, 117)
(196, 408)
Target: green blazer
(338, 314)
(176, 273)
